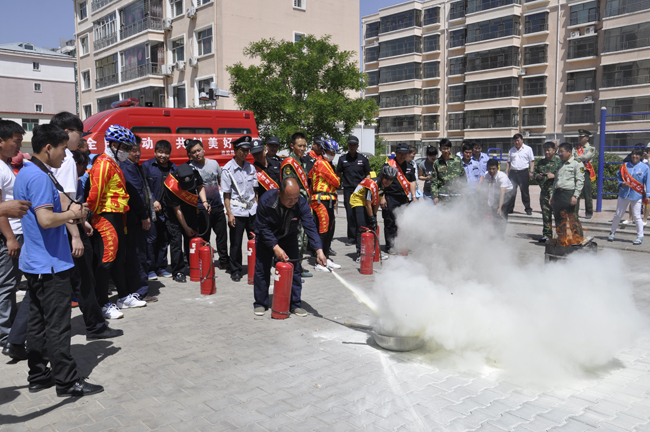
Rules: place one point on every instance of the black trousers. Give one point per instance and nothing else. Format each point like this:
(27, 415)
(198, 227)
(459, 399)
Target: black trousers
(360, 213)
(137, 280)
(176, 237)
(349, 213)
(110, 255)
(48, 333)
(263, 267)
(18, 333)
(218, 224)
(236, 233)
(157, 242)
(390, 222)
(521, 180)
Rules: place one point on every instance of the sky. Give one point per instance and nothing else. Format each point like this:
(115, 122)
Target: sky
(49, 20)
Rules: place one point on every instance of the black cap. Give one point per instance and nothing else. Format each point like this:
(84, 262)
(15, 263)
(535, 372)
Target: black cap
(353, 140)
(402, 148)
(185, 177)
(272, 140)
(319, 139)
(257, 146)
(584, 132)
(243, 142)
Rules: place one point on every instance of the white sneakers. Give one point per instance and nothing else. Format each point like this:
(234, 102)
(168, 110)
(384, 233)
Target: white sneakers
(131, 301)
(319, 267)
(332, 264)
(110, 311)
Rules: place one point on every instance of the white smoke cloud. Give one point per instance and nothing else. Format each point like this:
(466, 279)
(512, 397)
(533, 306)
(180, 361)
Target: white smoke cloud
(473, 298)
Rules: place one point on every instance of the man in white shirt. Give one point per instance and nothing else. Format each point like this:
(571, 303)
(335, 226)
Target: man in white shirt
(238, 183)
(520, 167)
(11, 238)
(499, 188)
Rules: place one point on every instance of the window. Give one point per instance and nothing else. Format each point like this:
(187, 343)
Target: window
(431, 96)
(431, 16)
(37, 87)
(457, 10)
(492, 89)
(177, 7)
(626, 74)
(105, 103)
(372, 30)
(431, 43)
(492, 118)
(400, 72)
(535, 54)
(581, 81)
(628, 37)
(536, 23)
(535, 86)
(431, 69)
(494, 58)
(492, 29)
(410, 123)
(105, 31)
(457, 93)
(627, 106)
(457, 66)
(375, 98)
(297, 37)
(151, 130)
(233, 131)
(178, 50)
(83, 45)
(481, 5)
(106, 71)
(456, 121)
(580, 113)
(88, 111)
(457, 38)
(29, 124)
(204, 84)
(136, 61)
(620, 7)
(36, 66)
(399, 21)
(204, 41)
(194, 130)
(148, 96)
(583, 47)
(583, 13)
(395, 47)
(430, 123)
(300, 4)
(180, 97)
(399, 98)
(373, 78)
(83, 11)
(372, 54)
(534, 116)
(85, 80)
(39, 108)
(135, 18)
(202, 2)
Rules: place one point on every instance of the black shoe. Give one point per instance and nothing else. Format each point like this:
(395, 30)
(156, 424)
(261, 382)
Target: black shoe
(180, 277)
(350, 242)
(80, 388)
(543, 239)
(16, 352)
(106, 334)
(236, 277)
(36, 387)
(588, 216)
(529, 212)
(332, 252)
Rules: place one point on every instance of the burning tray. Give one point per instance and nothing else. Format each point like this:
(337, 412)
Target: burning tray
(556, 252)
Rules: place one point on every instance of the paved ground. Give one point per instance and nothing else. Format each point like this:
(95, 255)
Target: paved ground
(191, 362)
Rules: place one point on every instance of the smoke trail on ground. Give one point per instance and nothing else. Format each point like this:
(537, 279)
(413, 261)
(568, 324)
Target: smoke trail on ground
(469, 293)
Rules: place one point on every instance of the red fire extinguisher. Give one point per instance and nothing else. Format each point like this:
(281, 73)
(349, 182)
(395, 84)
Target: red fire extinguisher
(195, 244)
(377, 248)
(251, 261)
(206, 268)
(282, 290)
(367, 252)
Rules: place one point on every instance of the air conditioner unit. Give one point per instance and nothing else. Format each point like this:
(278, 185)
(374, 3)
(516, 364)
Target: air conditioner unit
(167, 69)
(190, 12)
(575, 33)
(194, 62)
(526, 133)
(590, 30)
(521, 72)
(180, 65)
(167, 23)
(588, 99)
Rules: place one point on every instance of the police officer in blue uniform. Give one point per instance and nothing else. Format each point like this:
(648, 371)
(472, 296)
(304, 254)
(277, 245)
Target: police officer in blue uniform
(279, 212)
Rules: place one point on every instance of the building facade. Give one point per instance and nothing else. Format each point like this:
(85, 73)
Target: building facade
(487, 69)
(166, 52)
(35, 84)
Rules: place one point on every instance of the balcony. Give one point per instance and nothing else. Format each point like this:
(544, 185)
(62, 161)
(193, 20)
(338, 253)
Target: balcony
(148, 23)
(105, 41)
(592, 16)
(456, 123)
(372, 54)
(534, 117)
(614, 8)
(613, 81)
(493, 34)
(457, 40)
(431, 97)
(493, 89)
(431, 16)
(399, 124)
(372, 30)
(106, 81)
(580, 114)
(535, 28)
(478, 5)
(622, 45)
(98, 4)
(457, 94)
(430, 123)
(140, 71)
(457, 10)
(583, 47)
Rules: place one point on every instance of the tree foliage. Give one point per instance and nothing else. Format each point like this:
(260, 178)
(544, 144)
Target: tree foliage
(302, 86)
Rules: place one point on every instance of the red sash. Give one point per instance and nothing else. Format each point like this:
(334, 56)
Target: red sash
(265, 180)
(298, 169)
(400, 177)
(314, 155)
(634, 183)
(374, 189)
(187, 197)
(588, 165)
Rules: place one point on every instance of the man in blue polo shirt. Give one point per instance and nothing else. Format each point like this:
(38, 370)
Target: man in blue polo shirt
(46, 261)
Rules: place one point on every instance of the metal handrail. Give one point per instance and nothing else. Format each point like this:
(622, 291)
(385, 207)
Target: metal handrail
(105, 41)
(629, 7)
(591, 17)
(457, 10)
(98, 4)
(492, 35)
(140, 71)
(530, 28)
(147, 23)
(481, 6)
(106, 81)
(582, 52)
(625, 81)
(626, 45)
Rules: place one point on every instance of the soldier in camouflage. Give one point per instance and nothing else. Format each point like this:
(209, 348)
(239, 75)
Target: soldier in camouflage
(545, 171)
(584, 153)
(448, 176)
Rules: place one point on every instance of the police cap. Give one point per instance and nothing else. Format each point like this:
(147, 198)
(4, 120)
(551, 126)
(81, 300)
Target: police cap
(257, 146)
(583, 133)
(353, 140)
(402, 148)
(243, 142)
(319, 139)
(272, 140)
(185, 177)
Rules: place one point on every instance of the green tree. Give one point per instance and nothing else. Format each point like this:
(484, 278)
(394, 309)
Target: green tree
(302, 86)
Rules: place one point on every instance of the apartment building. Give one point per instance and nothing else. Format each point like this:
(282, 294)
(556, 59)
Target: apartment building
(35, 84)
(487, 69)
(166, 52)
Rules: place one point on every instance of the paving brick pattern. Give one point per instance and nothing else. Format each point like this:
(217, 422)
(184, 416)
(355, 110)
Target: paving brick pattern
(200, 363)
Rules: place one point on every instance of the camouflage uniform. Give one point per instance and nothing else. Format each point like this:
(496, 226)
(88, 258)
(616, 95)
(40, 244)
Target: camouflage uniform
(448, 178)
(568, 183)
(289, 172)
(546, 166)
(589, 152)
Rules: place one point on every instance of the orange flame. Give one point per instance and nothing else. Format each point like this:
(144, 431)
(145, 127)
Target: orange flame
(568, 230)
